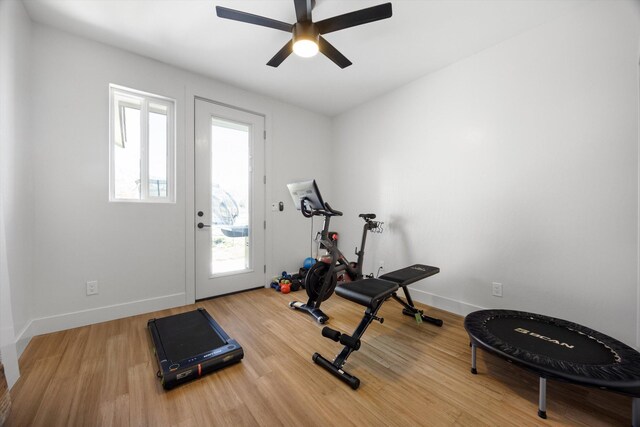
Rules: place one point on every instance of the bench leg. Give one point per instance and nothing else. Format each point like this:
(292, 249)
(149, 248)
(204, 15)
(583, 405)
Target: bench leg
(473, 359)
(542, 403)
(411, 310)
(330, 367)
(368, 317)
(635, 412)
(335, 367)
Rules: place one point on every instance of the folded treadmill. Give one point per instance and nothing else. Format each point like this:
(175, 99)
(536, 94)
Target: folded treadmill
(190, 345)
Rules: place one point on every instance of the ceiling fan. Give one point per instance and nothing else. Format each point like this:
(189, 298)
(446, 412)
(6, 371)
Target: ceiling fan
(307, 37)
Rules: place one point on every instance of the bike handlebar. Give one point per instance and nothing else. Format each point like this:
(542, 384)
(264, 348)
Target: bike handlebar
(328, 211)
(332, 211)
(309, 212)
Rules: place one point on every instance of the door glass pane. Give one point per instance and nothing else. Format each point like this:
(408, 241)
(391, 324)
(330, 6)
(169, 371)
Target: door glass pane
(230, 201)
(157, 151)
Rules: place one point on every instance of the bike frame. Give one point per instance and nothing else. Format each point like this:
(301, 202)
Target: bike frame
(338, 261)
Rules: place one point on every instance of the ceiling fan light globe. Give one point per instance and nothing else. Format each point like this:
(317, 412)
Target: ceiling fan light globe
(305, 48)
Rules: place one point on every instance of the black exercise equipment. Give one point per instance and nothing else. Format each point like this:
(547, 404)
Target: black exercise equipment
(189, 345)
(322, 277)
(372, 293)
(406, 276)
(557, 349)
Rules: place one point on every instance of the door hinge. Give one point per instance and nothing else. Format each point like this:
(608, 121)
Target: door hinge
(264, 179)
(265, 224)
(265, 268)
(264, 134)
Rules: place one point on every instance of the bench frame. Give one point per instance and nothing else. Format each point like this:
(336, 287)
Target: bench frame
(392, 281)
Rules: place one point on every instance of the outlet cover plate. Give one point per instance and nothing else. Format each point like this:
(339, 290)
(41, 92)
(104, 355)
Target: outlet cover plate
(496, 289)
(92, 287)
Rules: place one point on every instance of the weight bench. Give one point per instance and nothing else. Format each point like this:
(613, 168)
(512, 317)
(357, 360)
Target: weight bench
(372, 293)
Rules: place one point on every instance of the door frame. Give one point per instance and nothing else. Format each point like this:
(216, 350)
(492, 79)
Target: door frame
(250, 104)
(253, 273)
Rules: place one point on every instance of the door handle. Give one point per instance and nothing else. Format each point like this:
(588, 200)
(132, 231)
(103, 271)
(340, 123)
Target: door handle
(201, 225)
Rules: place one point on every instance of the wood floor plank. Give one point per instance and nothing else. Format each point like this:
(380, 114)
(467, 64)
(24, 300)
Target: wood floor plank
(114, 413)
(33, 385)
(411, 374)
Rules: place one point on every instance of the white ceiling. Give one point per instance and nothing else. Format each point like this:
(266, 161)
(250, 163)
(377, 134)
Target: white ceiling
(422, 36)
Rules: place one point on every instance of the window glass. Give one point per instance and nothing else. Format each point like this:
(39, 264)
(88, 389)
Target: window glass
(127, 156)
(142, 146)
(157, 155)
(230, 196)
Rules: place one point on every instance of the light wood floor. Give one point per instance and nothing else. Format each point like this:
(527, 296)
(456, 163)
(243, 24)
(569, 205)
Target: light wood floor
(411, 374)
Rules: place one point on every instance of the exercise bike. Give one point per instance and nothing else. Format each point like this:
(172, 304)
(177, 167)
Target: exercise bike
(323, 277)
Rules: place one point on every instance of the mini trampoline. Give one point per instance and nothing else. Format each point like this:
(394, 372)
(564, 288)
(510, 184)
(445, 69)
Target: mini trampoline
(557, 349)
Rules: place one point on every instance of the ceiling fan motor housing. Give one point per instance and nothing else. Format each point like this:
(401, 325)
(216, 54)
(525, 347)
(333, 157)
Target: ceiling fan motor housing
(305, 31)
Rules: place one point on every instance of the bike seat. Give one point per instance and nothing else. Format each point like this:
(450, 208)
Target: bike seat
(368, 216)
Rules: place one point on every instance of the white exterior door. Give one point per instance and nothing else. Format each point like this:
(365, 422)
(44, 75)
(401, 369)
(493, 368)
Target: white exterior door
(230, 199)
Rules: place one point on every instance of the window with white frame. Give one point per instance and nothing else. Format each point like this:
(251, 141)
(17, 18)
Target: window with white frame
(141, 146)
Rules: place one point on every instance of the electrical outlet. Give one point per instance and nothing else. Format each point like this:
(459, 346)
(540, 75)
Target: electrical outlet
(496, 289)
(92, 287)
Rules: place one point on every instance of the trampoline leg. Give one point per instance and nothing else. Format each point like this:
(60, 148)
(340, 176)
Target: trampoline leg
(542, 403)
(635, 416)
(473, 359)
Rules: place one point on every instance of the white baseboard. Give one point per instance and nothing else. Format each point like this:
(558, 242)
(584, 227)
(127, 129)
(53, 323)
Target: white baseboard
(60, 322)
(23, 338)
(10, 362)
(453, 306)
(21, 345)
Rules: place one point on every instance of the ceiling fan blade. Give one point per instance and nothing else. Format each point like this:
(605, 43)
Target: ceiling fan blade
(351, 19)
(250, 18)
(303, 10)
(281, 55)
(332, 53)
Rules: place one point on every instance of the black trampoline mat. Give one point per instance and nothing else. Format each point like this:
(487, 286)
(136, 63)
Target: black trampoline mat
(186, 335)
(551, 340)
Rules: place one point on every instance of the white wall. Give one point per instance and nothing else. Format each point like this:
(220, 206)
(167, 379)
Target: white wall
(517, 165)
(141, 254)
(16, 185)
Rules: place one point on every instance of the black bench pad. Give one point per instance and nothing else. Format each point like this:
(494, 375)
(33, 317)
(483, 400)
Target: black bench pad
(408, 275)
(367, 292)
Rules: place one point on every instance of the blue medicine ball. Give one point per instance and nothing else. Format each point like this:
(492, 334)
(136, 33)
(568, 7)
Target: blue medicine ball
(308, 262)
